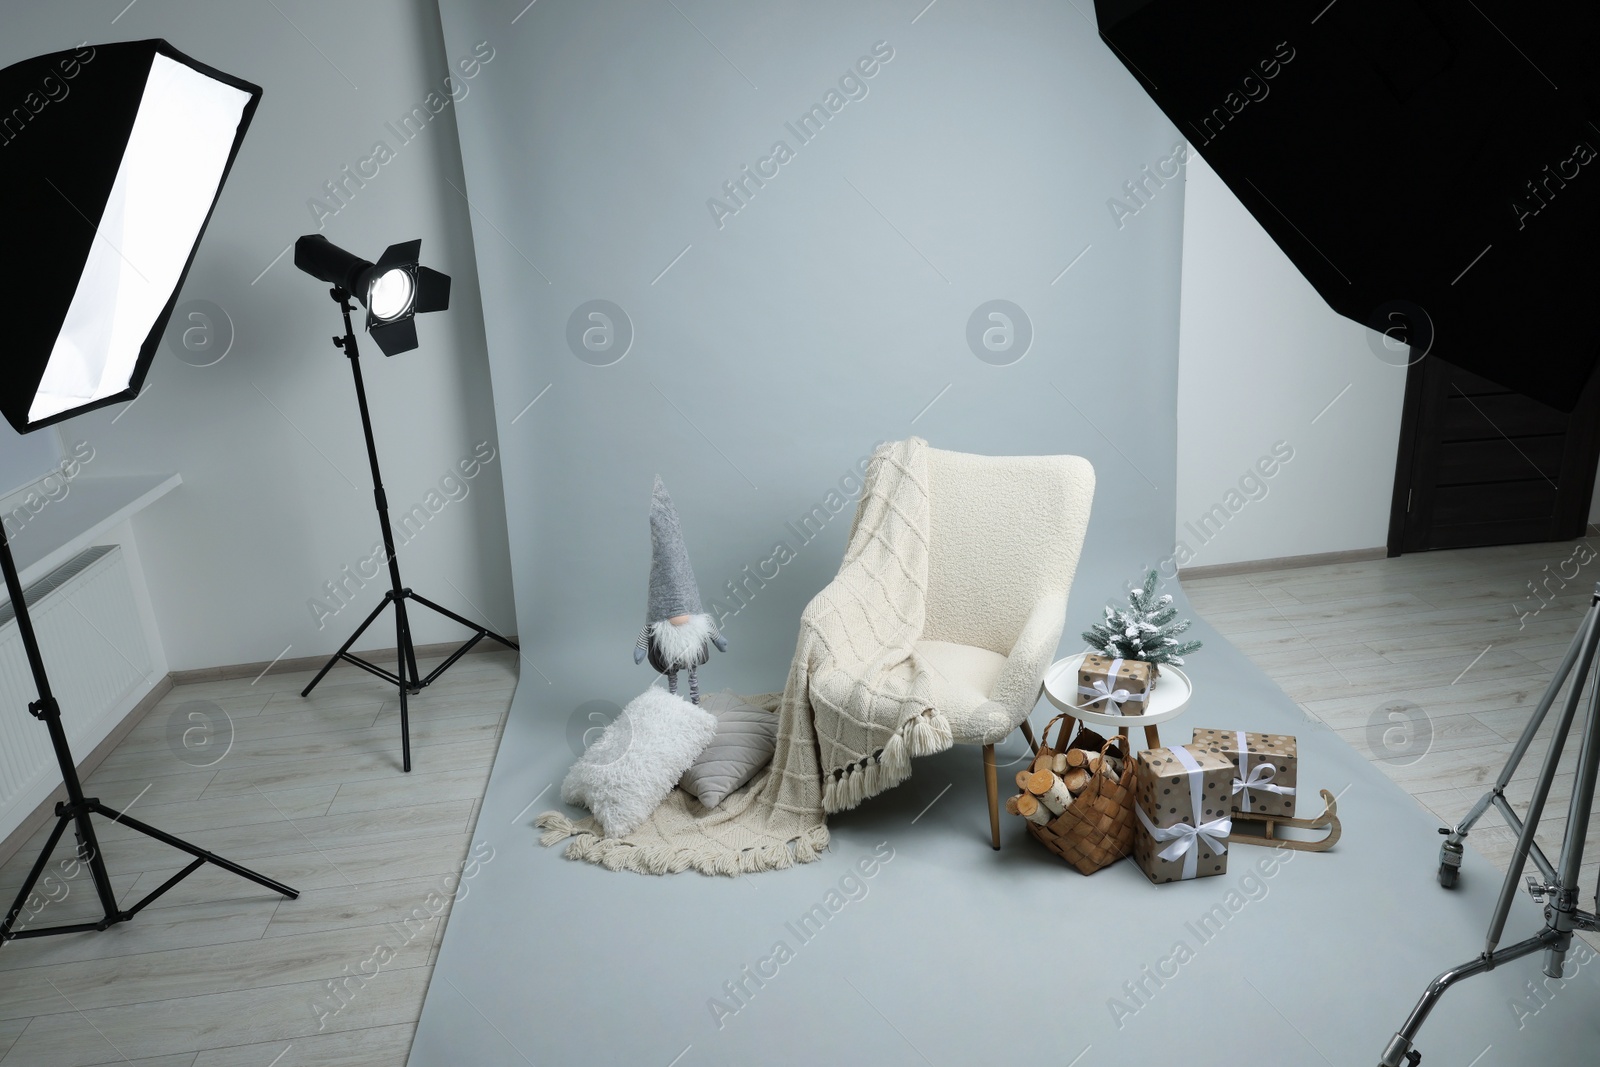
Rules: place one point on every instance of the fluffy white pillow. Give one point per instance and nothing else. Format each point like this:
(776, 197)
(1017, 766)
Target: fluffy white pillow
(638, 759)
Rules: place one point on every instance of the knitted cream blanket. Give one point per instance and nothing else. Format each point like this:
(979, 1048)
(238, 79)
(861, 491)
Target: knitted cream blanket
(853, 713)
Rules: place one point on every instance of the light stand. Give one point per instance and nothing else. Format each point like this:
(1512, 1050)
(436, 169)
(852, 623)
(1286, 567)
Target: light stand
(1556, 885)
(144, 149)
(77, 808)
(406, 678)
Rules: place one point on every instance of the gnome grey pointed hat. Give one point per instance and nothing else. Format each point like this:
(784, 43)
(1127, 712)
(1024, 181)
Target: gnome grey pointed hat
(673, 590)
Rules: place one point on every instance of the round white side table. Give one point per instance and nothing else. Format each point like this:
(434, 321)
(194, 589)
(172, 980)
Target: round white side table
(1167, 701)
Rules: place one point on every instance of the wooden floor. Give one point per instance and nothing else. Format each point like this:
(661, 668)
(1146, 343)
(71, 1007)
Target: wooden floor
(1429, 665)
(220, 971)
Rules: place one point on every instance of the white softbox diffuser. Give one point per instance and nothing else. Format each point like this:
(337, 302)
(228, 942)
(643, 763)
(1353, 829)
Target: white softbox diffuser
(123, 172)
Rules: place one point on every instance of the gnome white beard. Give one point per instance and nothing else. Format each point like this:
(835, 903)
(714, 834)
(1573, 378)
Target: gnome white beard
(682, 644)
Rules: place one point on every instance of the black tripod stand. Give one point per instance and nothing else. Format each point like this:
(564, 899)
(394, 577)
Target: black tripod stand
(1556, 885)
(77, 808)
(405, 677)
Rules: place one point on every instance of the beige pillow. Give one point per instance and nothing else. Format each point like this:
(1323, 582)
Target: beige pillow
(742, 745)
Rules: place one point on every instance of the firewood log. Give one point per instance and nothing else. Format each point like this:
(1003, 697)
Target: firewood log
(1057, 798)
(1039, 782)
(1029, 808)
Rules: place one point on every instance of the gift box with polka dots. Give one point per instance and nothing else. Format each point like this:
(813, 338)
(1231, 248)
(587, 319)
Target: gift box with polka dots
(1162, 789)
(1272, 795)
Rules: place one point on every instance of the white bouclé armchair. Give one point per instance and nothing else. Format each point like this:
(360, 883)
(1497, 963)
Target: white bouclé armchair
(1004, 537)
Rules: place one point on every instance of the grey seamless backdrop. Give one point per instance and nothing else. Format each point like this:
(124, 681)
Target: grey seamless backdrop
(769, 352)
(764, 358)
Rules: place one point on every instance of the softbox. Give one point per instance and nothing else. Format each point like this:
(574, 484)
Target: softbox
(1431, 167)
(111, 160)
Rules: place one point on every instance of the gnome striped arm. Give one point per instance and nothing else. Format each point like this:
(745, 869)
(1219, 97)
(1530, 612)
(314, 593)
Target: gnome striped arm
(678, 634)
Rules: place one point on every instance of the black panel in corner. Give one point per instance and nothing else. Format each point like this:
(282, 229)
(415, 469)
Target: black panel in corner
(1403, 44)
(1441, 154)
(1110, 12)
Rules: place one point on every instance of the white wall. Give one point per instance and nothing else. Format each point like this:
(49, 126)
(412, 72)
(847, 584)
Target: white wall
(92, 703)
(1260, 357)
(24, 460)
(276, 496)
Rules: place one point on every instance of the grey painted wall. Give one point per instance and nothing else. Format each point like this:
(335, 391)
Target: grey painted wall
(773, 345)
(276, 499)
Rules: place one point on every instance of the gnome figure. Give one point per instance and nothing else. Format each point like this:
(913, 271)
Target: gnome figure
(677, 634)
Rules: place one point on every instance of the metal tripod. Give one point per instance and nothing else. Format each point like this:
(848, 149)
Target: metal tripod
(405, 676)
(78, 809)
(1556, 885)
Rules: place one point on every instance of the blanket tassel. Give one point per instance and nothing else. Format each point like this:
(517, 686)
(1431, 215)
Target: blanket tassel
(930, 733)
(556, 826)
(617, 855)
(896, 761)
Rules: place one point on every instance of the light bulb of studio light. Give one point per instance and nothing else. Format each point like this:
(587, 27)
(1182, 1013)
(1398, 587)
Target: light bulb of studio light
(391, 294)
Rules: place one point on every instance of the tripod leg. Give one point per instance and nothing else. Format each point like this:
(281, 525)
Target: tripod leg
(33, 878)
(1524, 742)
(199, 853)
(346, 646)
(409, 659)
(1399, 1048)
(450, 660)
(1566, 902)
(402, 636)
(1546, 702)
(1450, 851)
(447, 613)
(1584, 643)
(88, 843)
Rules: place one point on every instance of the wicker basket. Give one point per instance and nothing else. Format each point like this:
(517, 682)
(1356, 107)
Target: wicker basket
(1097, 829)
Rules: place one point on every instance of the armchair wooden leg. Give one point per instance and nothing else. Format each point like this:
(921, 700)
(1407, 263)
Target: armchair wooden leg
(1027, 734)
(990, 781)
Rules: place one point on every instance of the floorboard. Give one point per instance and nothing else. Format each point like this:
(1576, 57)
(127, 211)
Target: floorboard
(220, 972)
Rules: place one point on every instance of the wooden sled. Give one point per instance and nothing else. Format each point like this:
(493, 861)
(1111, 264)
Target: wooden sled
(1328, 820)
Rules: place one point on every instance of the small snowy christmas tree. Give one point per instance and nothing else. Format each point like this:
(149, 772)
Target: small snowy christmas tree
(1148, 630)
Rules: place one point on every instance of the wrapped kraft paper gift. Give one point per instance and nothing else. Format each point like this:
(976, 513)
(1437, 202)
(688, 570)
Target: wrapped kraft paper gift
(1265, 770)
(1114, 686)
(1181, 798)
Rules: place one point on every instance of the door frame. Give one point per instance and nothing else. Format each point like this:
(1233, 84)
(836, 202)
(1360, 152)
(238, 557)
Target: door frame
(1405, 457)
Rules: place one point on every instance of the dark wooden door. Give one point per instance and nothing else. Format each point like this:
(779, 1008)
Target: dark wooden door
(1480, 464)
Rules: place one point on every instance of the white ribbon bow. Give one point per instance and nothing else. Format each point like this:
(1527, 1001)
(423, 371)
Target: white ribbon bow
(1259, 777)
(1101, 690)
(1183, 836)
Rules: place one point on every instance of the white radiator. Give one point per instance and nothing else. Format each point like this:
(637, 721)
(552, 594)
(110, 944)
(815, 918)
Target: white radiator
(98, 660)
